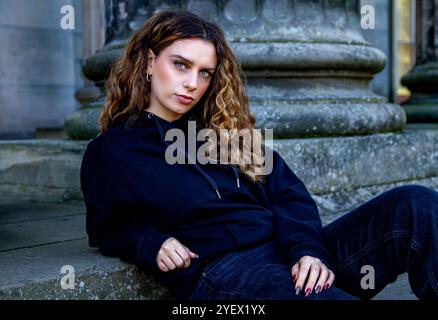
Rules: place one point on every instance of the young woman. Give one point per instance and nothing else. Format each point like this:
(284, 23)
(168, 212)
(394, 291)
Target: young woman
(224, 231)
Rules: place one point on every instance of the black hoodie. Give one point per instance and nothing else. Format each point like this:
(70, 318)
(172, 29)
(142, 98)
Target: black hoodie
(135, 200)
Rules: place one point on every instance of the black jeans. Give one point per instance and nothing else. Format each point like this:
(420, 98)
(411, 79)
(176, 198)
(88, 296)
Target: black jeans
(393, 233)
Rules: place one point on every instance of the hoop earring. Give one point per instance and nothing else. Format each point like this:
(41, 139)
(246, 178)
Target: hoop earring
(148, 79)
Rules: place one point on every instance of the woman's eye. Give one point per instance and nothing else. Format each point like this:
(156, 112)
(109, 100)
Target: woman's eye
(207, 74)
(179, 63)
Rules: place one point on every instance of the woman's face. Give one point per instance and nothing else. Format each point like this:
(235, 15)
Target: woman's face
(184, 68)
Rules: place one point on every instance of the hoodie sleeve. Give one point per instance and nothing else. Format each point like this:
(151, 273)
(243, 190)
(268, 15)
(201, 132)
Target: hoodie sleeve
(110, 225)
(297, 222)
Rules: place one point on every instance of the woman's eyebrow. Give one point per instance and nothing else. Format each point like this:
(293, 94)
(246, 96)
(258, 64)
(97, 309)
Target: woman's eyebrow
(185, 59)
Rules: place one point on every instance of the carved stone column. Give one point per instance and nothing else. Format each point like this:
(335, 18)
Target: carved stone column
(422, 80)
(307, 64)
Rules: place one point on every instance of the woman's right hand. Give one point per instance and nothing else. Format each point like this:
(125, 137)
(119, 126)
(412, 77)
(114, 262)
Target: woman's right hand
(173, 254)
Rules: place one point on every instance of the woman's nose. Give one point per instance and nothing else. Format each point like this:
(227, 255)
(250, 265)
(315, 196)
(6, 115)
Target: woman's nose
(192, 81)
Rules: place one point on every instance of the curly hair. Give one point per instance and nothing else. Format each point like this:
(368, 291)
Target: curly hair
(224, 105)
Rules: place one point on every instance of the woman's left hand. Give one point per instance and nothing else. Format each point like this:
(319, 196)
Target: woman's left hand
(320, 276)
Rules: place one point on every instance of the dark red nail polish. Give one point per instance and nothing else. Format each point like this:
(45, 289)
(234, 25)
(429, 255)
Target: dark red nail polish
(326, 287)
(308, 292)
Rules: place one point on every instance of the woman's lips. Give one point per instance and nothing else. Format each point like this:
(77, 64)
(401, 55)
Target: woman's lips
(184, 100)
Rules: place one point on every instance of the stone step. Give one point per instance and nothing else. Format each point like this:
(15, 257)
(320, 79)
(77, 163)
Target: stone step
(37, 239)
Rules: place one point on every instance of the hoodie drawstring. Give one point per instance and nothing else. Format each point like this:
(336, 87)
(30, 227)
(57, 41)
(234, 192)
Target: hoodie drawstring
(206, 176)
(236, 174)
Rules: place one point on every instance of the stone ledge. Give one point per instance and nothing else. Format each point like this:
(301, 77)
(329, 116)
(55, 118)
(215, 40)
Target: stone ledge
(31, 258)
(35, 273)
(38, 238)
(48, 170)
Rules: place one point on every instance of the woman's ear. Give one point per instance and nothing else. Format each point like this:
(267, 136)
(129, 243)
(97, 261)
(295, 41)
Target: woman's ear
(151, 59)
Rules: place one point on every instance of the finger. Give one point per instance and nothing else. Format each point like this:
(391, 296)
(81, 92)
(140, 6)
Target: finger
(176, 258)
(184, 255)
(170, 252)
(294, 271)
(323, 276)
(162, 266)
(302, 276)
(330, 280)
(192, 254)
(313, 277)
(168, 262)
